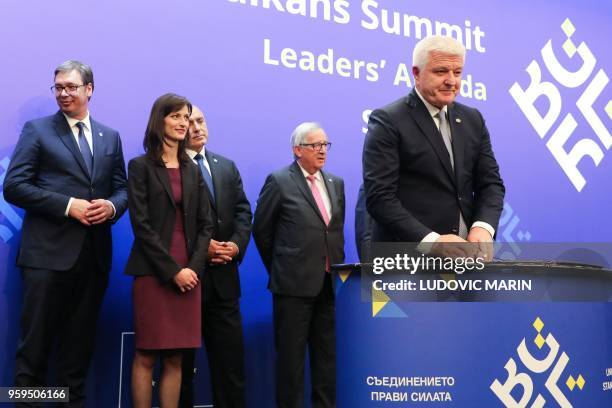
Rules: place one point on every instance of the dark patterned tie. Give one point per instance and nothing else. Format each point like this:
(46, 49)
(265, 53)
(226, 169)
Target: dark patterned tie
(446, 136)
(84, 147)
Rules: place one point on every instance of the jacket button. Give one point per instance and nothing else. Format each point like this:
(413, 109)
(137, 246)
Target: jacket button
(455, 230)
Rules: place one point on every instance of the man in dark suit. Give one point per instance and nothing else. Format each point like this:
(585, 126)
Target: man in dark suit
(222, 323)
(429, 171)
(298, 229)
(68, 173)
(363, 227)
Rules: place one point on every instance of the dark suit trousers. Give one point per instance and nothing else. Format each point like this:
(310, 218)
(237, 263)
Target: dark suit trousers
(60, 306)
(300, 322)
(222, 332)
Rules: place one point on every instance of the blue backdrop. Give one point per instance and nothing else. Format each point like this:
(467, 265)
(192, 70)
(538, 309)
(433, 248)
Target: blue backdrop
(258, 68)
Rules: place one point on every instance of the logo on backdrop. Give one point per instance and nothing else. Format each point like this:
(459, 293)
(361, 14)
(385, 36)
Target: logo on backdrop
(593, 139)
(9, 216)
(520, 384)
(509, 234)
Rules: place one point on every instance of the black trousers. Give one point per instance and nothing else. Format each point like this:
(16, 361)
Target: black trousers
(60, 308)
(223, 339)
(300, 323)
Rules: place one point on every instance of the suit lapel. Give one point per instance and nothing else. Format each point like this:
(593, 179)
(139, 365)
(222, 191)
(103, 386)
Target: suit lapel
(454, 120)
(97, 138)
(302, 185)
(162, 175)
(65, 134)
(425, 122)
(331, 191)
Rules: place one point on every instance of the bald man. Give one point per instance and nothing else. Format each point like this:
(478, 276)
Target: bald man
(222, 322)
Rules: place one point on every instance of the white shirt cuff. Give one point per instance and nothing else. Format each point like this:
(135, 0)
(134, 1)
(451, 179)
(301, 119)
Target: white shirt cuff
(427, 243)
(486, 226)
(68, 207)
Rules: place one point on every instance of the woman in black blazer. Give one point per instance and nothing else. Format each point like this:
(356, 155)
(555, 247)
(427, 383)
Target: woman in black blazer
(171, 218)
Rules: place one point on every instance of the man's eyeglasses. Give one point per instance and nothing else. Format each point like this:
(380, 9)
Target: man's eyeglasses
(70, 89)
(318, 146)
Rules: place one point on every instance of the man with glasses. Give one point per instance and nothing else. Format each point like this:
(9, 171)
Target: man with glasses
(298, 228)
(67, 172)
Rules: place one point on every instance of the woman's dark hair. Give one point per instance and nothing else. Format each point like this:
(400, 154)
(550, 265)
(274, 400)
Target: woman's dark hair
(153, 142)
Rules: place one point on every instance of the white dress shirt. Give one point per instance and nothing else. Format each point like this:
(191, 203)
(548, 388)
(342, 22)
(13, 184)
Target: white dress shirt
(192, 155)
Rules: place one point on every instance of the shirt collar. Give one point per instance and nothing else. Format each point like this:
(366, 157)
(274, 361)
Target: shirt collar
(192, 153)
(433, 111)
(317, 175)
(72, 121)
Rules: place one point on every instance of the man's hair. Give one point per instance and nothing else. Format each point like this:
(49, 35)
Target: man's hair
(436, 43)
(153, 142)
(74, 65)
(301, 131)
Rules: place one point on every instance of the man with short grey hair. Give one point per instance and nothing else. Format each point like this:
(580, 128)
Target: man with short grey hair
(67, 172)
(429, 171)
(298, 229)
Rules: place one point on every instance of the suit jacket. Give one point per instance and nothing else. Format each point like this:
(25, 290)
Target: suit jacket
(290, 233)
(411, 188)
(153, 213)
(363, 227)
(231, 214)
(47, 169)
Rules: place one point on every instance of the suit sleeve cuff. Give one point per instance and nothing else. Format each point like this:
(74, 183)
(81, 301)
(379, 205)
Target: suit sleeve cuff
(427, 243)
(486, 226)
(68, 207)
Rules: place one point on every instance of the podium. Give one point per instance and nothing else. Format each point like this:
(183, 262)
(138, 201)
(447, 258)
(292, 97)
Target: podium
(484, 352)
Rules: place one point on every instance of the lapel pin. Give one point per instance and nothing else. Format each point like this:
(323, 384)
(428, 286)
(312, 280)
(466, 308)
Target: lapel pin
(330, 180)
(100, 134)
(215, 160)
(458, 120)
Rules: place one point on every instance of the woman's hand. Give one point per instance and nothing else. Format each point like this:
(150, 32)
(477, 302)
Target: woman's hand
(186, 279)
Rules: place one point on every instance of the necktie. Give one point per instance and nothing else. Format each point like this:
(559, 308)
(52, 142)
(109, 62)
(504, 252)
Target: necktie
(84, 147)
(319, 200)
(446, 136)
(207, 177)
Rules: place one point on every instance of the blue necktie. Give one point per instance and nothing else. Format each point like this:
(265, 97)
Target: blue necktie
(84, 147)
(207, 177)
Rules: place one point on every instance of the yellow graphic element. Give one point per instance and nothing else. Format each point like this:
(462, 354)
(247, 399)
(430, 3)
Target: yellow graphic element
(580, 381)
(539, 341)
(609, 109)
(571, 383)
(344, 275)
(538, 324)
(569, 48)
(379, 300)
(568, 28)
